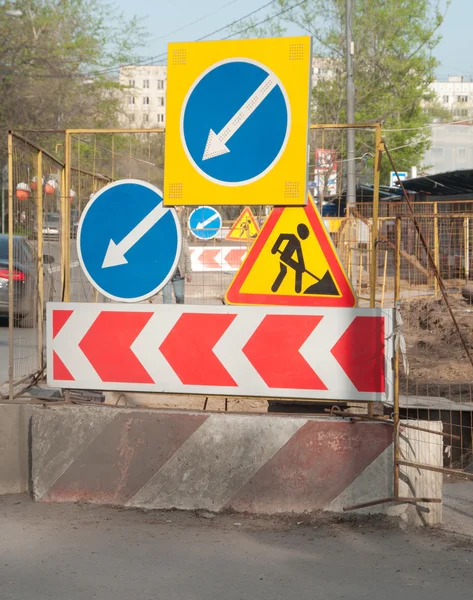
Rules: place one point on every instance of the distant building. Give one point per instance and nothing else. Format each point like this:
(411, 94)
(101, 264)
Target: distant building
(323, 68)
(144, 95)
(451, 149)
(455, 95)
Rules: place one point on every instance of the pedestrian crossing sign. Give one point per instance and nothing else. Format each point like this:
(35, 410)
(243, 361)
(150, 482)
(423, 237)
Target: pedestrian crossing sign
(292, 262)
(245, 228)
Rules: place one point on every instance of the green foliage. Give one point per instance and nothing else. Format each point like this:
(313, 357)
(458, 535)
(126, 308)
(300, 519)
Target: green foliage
(58, 63)
(393, 67)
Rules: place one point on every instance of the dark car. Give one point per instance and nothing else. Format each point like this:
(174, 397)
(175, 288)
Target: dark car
(24, 279)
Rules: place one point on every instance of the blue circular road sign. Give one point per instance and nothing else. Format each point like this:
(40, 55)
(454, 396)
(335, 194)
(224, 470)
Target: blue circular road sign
(235, 122)
(205, 222)
(128, 243)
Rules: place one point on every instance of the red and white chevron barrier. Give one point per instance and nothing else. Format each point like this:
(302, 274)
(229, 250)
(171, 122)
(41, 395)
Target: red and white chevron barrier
(228, 258)
(276, 352)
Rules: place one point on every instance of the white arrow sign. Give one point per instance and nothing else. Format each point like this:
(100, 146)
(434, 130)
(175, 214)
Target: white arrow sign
(115, 254)
(203, 224)
(216, 142)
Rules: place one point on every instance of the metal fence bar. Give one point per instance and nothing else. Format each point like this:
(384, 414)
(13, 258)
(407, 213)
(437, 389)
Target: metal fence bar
(39, 258)
(396, 415)
(10, 270)
(374, 229)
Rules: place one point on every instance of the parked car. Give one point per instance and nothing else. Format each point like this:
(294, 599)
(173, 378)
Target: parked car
(51, 226)
(24, 279)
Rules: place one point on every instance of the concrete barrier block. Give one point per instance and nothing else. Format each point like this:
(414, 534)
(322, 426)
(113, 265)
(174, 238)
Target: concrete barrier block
(265, 464)
(14, 444)
(423, 448)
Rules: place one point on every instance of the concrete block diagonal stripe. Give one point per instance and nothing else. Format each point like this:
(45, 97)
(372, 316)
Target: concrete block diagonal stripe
(361, 489)
(316, 464)
(216, 461)
(59, 439)
(122, 457)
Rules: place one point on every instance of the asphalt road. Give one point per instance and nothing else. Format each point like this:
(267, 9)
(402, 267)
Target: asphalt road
(458, 506)
(86, 552)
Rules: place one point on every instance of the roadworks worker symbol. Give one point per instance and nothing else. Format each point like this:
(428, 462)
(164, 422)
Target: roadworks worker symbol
(245, 227)
(293, 263)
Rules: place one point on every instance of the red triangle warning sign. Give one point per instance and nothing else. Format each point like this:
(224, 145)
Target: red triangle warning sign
(245, 228)
(292, 262)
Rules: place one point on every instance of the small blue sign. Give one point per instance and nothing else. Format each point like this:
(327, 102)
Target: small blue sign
(235, 122)
(128, 243)
(205, 222)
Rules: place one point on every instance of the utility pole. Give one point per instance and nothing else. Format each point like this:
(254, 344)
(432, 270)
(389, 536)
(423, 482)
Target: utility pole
(350, 50)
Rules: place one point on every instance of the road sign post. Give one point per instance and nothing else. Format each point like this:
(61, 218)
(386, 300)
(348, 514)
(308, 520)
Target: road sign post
(237, 122)
(128, 243)
(205, 223)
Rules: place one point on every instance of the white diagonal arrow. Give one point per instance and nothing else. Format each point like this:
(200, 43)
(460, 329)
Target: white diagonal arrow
(203, 224)
(115, 254)
(216, 142)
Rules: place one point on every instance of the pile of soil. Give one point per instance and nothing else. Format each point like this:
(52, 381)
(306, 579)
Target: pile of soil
(438, 362)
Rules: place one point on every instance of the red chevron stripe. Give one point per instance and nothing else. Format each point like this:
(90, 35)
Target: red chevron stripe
(107, 346)
(274, 347)
(235, 256)
(207, 258)
(360, 352)
(188, 348)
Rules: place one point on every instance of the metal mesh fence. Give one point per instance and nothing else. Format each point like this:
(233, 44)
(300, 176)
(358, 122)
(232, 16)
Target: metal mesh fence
(60, 172)
(97, 159)
(435, 381)
(19, 288)
(437, 318)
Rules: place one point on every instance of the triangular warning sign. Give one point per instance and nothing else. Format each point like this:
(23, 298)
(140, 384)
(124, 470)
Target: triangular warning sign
(293, 262)
(245, 228)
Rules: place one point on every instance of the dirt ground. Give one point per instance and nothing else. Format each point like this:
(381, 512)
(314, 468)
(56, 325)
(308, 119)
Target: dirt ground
(438, 362)
(189, 402)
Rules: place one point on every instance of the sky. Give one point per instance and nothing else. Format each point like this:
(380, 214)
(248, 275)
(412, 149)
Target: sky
(197, 18)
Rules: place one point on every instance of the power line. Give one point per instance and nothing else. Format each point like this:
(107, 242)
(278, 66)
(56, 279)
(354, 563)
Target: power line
(237, 21)
(147, 61)
(282, 12)
(217, 10)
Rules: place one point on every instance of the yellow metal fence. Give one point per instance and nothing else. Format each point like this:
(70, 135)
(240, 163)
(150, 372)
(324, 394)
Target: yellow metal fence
(415, 257)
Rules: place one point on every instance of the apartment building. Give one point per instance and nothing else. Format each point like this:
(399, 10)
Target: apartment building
(456, 95)
(144, 95)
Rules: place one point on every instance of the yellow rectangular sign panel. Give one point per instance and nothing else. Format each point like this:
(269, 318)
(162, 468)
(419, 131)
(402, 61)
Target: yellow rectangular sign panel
(237, 122)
